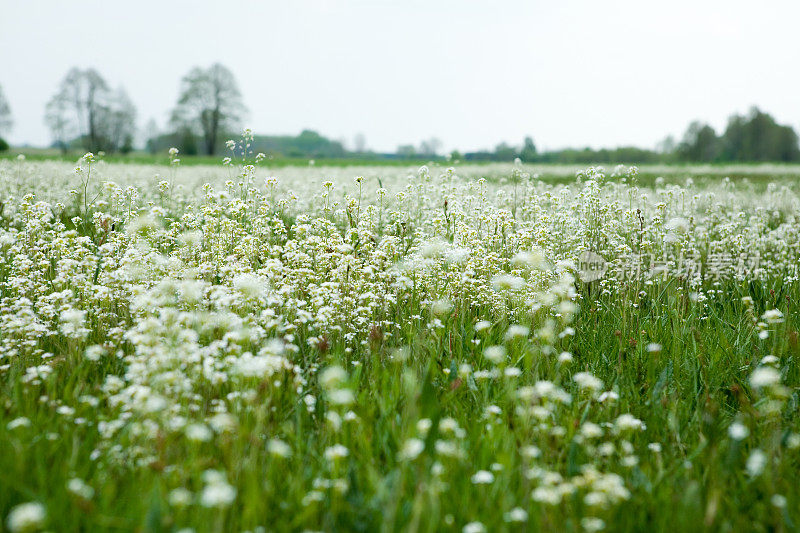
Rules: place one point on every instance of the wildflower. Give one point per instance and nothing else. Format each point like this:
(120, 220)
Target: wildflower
(533, 260)
(587, 381)
(654, 447)
(411, 449)
(678, 225)
(773, 316)
(764, 376)
(474, 527)
(608, 396)
(337, 451)
(515, 331)
(626, 422)
(495, 354)
(217, 493)
(198, 433)
(332, 377)
(738, 431)
(79, 488)
(180, 497)
(590, 430)
(592, 524)
(517, 514)
(21, 422)
(507, 282)
(482, 477)
(756, 463)
(482, 325)
(279, 448)
(441, 307)
(341, 397)
(26, 517)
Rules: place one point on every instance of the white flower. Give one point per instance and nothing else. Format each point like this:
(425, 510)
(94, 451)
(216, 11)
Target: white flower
(769, 360)
(531, 260)
(337, 451)
(198, 433)
(764, 376)
(738, 431)
(26, 517)
(590, 430)
(778, 500)
(773, 316)
(627, 421)
(21, 422)
(482, 477)
(341, 397)
(482, 325)
(507, 282)
(756, 463)
(72, 323)
(180, 497)
(517, 514)
(279, 448)
(411, 449)
(516, 331)
(332, 377)
(592, 524)
(678, 225)
(609, 396)
(495, 354)
(587, 381)
(217, 494)
(474, 527)
(249, 285)
(79, 488)
(441, 307)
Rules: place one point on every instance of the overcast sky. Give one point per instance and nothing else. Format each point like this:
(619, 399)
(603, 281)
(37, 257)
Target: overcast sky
(568, 73)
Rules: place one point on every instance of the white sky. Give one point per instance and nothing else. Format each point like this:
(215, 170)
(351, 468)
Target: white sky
(473, 73)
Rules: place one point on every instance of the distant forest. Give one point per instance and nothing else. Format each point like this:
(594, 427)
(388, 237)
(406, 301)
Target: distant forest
(755, 137)
(86, 113)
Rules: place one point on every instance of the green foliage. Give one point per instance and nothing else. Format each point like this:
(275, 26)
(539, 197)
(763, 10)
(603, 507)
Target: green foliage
(752, 138)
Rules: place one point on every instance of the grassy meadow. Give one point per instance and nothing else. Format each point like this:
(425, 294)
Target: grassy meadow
(254, 347)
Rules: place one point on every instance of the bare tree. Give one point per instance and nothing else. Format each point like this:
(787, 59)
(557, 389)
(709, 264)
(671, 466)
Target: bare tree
(118, 122)
(56, 118)
(430, 147)
(84, 106)
(6, 122)
(360, 143)
(209, 104)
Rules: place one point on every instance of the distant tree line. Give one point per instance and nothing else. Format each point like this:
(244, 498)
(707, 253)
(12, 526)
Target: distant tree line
(307, 144)
(753, 137)
(750, 138)
(6, 121)
(87, 113)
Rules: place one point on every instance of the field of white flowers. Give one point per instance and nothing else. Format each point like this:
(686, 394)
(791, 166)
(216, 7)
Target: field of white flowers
(235, 348)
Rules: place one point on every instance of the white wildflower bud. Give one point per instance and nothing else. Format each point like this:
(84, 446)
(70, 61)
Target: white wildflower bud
(26, 517)
(495, 354)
